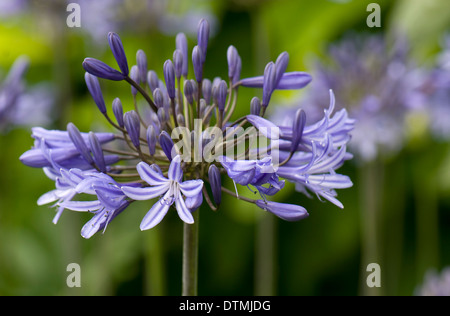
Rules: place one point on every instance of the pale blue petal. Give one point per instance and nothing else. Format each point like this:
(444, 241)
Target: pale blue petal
(146, 193)
(175, 171)
(191, 188)
(155, 215)
(150, 175)
(183, 211)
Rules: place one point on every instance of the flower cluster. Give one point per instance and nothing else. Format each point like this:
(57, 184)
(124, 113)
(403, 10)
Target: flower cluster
(178, 150)
(21, 105)
(435, 284)
(378, 83)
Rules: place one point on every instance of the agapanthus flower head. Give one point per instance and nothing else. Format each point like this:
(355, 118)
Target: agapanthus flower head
(177, 151)
(377, 82)
(21, 105)
(435, 284)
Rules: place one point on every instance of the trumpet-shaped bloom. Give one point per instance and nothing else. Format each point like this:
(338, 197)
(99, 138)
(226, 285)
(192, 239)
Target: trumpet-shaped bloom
(171, 190)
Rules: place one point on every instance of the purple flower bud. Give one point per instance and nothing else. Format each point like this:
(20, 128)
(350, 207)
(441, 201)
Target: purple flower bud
(232, 57)
(180, 119)
(281, 63)
(95, 90)
(79, 143)
(237, 72)
(133, 127)
(166, 144)
(216, 183)
(207, 118)
(141, 60)
(288, 212)
(100, 69)
(297, 128)
(158, 98)
(181, 44)
(197, 63)
(151, 139)
(202, 107)
(206, 90)
(203, 37)
(119, 53)
(162, 115)
(255, 106)
(169, 77)
(118, 111)
(270, 76)
(178, 63)
(222, 91)
(97, 152)
(152, 80)
(189, 91)
(134, 75)
(195, 89)
(289, 81)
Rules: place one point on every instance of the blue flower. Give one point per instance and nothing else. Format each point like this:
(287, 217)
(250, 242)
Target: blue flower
(254, 172)
(171, 189)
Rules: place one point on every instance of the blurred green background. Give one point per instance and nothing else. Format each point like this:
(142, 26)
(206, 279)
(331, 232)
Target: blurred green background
(243, 251)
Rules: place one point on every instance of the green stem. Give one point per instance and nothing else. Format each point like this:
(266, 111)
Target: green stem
(265, 272)
(371, 206)
(190, 257)
(155, 265)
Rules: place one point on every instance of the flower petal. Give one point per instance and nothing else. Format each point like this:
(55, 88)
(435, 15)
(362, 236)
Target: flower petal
(183, 211)
(146, 193)
(175, 171)
(265, 127)
(191, 188)
(155, 215)
(81, 206)
(150, 175)
(288, 212)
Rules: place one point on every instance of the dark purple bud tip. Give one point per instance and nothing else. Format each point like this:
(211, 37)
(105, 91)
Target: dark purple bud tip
(158, 97)
(206, 90)
(134, 75)
(169, 77)
(151, 140)
(95, 90)
(197, 63)
(297, 128)
(222, 91)
(152, 80)
(100, 69)
(133, 127)
(118, 111)
(189, 91)
(288, 212)
(269, 84)
(181, 44)
(166, 144)
(79, 143)
(281, 63)
(203, 37)
(216, 183)
(141, 60)
(255, 106)
(119, 53)
(97, 152)
(232, 58)
(178, 63)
